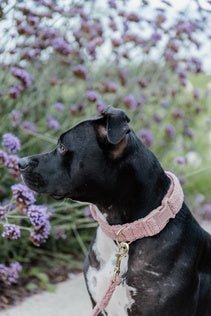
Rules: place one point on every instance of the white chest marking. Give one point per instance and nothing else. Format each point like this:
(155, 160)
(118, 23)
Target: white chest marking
(98, 280)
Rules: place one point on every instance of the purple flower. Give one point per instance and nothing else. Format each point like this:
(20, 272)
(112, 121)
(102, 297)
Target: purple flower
(40, 236)
(174, 90)
(80, 71)
(1, 93)
(170, 131)
(9, 274)
(12, 165)
(73, 109)
(110, 87)
(38, 215)
(160, 19)
(178, 114)
(15, 91)
(101, 106)
(23, 195)
(155, 37)
(91, 95)
(146, 136)
(116, 42)
(173, 45)
(196, 94)
(25, 29)
(87, 213)
(112, 4)
(164, 104)
(180, 160)
(22, 75)
(123, 75)
(30, 127)
(11, 231)
(3, 211)
(143, 82)
(3, 156)
(133, 16)
(130, 101)
(157, 117)
(52, 123)
(61, 46)
(59, 106)
(46, 33)
(189, 132)
(29, 54)
(15, 116)
(196, 65)
(11, 142)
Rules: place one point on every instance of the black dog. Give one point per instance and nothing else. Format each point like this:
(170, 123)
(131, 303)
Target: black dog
(101, 161)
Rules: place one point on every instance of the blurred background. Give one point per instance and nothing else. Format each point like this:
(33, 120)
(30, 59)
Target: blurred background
(62, 61)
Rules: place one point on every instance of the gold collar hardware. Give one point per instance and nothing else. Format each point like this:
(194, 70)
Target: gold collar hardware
(122, 252)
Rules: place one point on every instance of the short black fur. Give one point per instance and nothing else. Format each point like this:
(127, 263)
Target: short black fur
(104, 163)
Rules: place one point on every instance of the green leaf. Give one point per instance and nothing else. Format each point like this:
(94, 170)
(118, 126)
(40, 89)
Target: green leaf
(51, 287)
(31, 286)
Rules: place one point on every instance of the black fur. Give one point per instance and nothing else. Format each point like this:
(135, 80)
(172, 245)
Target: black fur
(104, 163)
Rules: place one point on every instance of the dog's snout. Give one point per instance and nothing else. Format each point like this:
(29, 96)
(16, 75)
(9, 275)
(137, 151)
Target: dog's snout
(23, 163)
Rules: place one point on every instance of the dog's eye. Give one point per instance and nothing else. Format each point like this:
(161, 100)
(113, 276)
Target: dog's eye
(62, 148)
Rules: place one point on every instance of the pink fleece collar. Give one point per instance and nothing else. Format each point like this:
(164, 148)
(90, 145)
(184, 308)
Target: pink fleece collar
(150, 225)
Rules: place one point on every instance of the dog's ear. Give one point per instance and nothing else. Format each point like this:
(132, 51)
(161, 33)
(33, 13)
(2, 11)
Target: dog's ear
(116, 125)
(112, 127)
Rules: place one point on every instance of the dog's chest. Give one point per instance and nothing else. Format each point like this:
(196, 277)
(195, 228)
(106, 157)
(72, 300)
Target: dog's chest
(98, 278)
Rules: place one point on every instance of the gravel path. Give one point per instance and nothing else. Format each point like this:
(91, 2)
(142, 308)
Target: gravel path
(69, 299)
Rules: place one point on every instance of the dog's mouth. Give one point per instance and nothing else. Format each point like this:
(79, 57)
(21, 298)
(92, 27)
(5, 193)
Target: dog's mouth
(57, 196)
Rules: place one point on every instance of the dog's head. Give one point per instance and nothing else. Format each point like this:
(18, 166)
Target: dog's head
(84, 163)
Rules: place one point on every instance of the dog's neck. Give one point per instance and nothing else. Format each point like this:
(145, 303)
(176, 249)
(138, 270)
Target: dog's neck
(135, 198)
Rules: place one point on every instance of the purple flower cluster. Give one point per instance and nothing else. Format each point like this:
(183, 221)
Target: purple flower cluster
(15, 117)
(15, 91)
(61, 46)
(39, 217)
(31, 128)
(3, 156)
(91, 95)
(52, 123)
(180, 160)
(11, 231)
(147, 137)
(130, 101)
(170, 131)
(9, 274)
(80, 71)
(11, 142)
(24, 197)
(110, 86)
(59, 106)
(87, 213)
(22, 75)
(11, 163)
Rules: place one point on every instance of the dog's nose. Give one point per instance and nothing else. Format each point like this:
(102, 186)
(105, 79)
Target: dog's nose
(23, 163)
